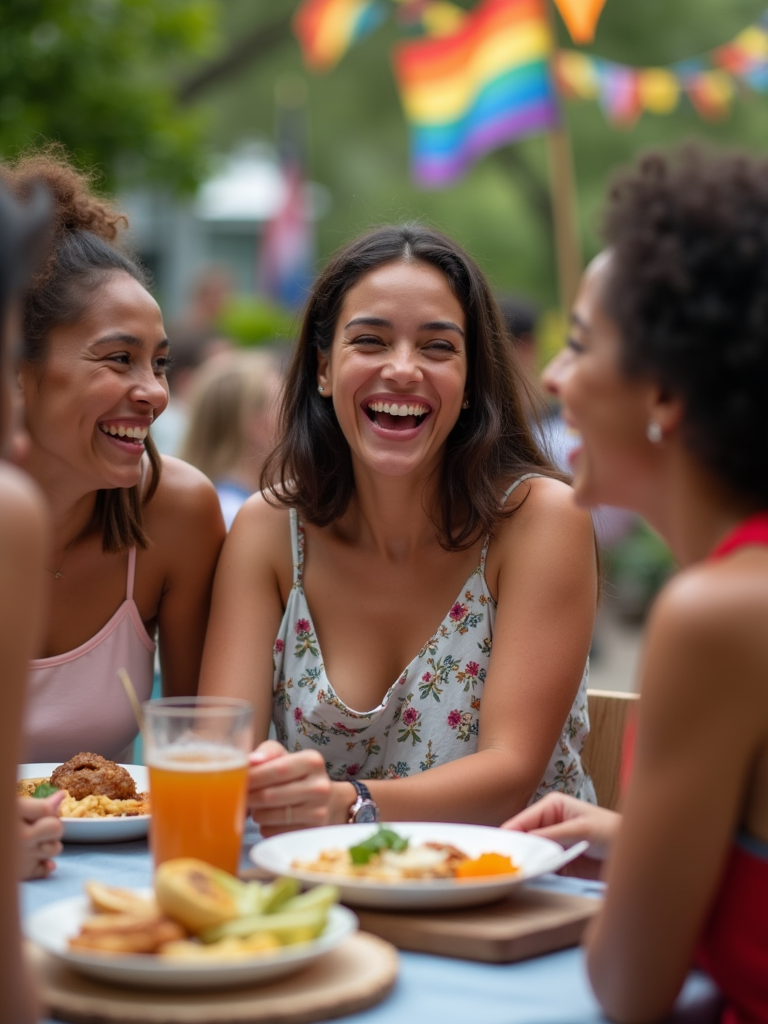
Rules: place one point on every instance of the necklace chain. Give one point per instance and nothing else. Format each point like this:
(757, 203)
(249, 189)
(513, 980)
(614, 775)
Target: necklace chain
(57, 573)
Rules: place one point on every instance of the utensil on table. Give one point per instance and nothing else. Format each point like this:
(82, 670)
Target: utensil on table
(133, 700)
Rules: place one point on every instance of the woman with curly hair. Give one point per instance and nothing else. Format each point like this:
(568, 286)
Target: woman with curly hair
(665, 376)
(135, 537)
(410, 599)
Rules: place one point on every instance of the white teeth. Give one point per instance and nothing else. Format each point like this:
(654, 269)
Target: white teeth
(135, 433)
(398, 410)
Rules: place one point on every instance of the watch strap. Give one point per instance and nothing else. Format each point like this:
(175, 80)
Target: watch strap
(364, 808)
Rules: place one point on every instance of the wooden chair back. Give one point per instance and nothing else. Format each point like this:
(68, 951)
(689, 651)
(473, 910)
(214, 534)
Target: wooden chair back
(609, 711)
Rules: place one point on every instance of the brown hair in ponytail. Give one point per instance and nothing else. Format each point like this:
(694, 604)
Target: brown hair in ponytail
(81, 256)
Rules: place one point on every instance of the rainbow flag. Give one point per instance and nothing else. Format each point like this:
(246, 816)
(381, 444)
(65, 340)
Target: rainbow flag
(478, 88)
(327, 28)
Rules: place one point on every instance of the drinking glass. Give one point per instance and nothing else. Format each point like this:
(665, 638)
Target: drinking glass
(196, 749)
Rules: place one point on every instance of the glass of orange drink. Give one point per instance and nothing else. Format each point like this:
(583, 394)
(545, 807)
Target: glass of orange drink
(196, 749)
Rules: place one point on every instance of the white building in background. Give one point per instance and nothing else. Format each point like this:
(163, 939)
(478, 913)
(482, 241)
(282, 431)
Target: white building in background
(222, 225)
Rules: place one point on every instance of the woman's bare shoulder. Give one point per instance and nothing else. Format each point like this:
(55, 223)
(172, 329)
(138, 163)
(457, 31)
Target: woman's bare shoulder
(179, 480)
(183, 489)
(24, 513)
(258, 545)
(545, 507)
(183, 517)
(708, 625)
(261, 524)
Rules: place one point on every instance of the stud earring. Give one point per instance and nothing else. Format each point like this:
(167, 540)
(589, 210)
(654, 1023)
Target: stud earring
(320, 389)
(465, 404)
(654, 432)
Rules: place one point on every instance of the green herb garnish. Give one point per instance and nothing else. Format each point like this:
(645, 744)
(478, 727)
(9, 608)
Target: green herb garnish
(44, 789)
(383, 839)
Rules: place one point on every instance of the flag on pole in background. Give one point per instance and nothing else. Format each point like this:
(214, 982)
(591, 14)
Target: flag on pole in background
(327, 28)
(478, 88)
(284, 269)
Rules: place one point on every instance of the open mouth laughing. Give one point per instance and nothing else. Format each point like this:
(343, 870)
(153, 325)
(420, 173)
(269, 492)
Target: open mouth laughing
(397, 416)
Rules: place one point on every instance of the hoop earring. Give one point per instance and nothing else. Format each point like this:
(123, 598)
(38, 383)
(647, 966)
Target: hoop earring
(654, 433)
(321, 390)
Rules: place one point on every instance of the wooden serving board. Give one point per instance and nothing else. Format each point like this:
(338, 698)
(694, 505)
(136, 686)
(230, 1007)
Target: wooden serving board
(526, 924)
(356, 975)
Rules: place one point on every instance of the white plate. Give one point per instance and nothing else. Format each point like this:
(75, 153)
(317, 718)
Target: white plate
(51, 926)
(533, 855)
(97, 830)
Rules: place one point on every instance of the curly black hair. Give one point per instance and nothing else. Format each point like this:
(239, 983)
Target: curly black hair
(688, 232)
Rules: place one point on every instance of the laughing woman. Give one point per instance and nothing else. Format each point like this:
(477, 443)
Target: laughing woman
(135, 541)
(410, 599)
(665, 377)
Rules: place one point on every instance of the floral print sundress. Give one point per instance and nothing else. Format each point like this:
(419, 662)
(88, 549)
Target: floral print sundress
(430, 715)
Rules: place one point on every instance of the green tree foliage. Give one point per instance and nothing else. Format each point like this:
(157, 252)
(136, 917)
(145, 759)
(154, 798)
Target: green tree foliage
(98, 76)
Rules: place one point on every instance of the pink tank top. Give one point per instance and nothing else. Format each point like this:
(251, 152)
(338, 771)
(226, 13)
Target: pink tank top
(75, 701)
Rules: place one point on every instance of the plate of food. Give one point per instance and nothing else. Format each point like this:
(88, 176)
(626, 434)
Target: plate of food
(410, 865)
(199, 929)
(105, 802)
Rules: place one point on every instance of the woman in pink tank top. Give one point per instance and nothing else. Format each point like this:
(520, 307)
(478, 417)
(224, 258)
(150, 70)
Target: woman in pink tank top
(664, 376)
(135, 538)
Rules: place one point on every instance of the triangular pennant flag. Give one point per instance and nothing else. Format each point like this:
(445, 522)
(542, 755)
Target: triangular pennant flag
(581, 18)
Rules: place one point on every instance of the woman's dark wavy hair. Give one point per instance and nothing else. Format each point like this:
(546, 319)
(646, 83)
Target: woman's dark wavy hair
(492, 442)
(79, 258)
(688, 232)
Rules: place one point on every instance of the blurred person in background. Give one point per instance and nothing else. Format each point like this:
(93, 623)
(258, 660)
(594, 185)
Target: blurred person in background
(232, 424)
(24, 529)
(195, 338)
(406, 475)
(664, 377)
(135, 537)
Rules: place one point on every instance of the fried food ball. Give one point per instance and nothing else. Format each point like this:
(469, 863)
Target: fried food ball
(86, 774)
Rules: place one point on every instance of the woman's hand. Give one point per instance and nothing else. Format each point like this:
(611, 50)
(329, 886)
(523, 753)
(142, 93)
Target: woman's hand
(287, 791)
(568, 820)
(40, 832)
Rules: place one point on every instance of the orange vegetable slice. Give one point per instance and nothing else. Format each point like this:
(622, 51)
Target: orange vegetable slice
(486, 864)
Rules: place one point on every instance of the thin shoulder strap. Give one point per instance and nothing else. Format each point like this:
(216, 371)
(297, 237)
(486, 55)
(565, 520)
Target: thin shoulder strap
(131, 574)
(516, 483)
(129, 583)
(512, 486)
(297, 546)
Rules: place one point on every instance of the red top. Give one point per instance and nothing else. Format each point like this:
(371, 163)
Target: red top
(733, 948)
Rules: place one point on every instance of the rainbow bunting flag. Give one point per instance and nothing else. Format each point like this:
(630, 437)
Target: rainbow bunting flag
(478, 88)
(327, 28)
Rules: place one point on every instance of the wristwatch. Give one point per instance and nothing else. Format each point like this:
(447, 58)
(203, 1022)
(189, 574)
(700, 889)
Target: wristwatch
(364, 809)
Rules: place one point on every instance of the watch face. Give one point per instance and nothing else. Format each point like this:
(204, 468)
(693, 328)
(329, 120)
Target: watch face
(367, 811)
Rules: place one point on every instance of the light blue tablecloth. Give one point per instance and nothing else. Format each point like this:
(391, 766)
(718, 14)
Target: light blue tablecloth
(551, 989)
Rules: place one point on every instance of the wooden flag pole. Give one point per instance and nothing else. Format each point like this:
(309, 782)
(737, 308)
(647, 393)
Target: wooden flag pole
(564, 218)
(562, 186)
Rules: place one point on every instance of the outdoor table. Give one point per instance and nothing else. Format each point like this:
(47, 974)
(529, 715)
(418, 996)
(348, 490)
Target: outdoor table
(551, 989)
